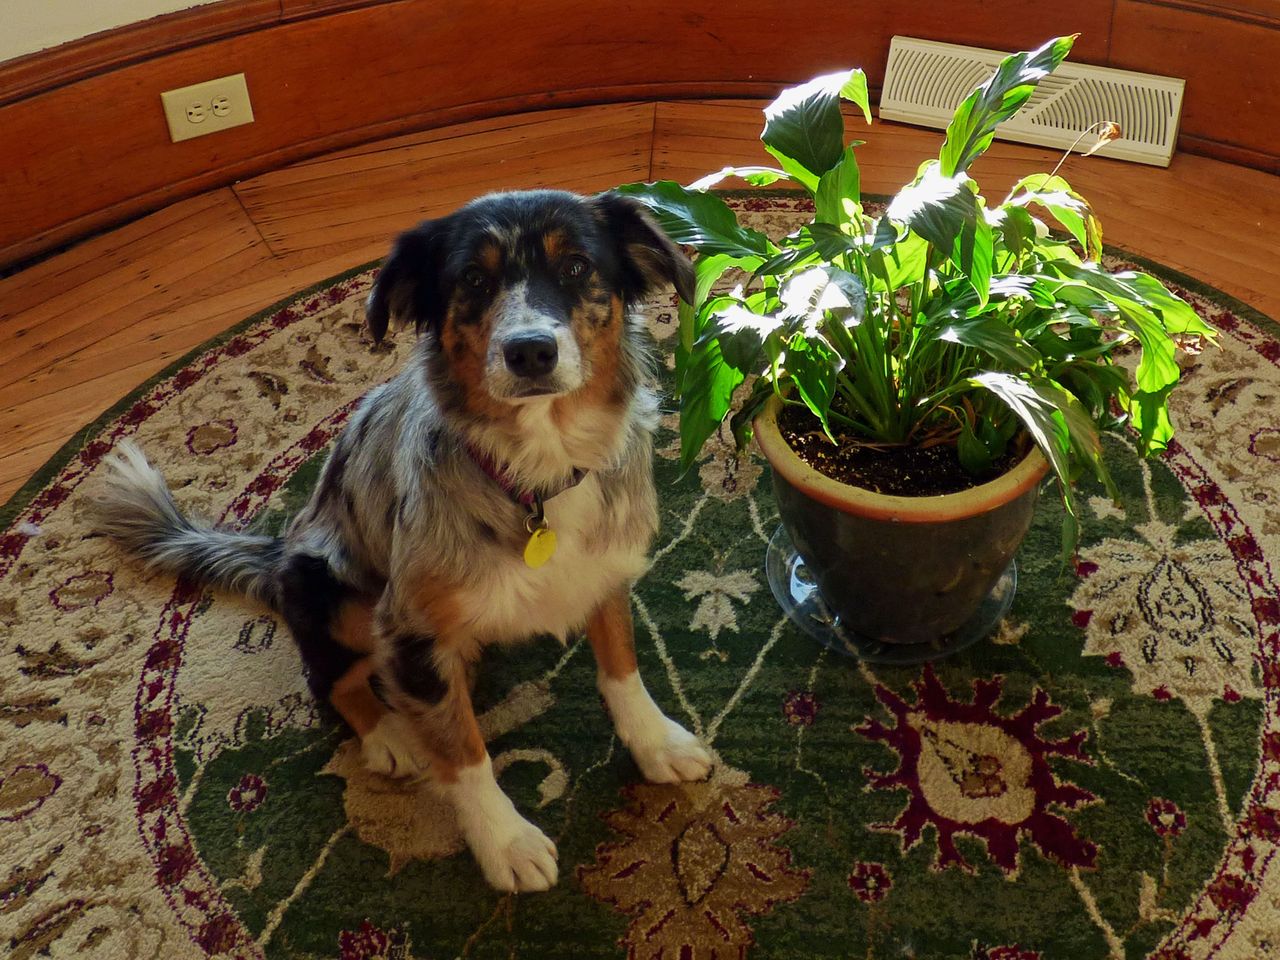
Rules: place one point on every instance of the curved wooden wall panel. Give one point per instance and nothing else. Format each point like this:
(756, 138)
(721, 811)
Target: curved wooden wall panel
(1229, 55)
(90, 149)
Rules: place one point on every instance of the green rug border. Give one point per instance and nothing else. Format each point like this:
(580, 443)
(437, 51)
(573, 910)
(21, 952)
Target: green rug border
(37, 481)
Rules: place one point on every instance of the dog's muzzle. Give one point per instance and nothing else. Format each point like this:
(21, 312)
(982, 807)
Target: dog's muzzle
(530, 355)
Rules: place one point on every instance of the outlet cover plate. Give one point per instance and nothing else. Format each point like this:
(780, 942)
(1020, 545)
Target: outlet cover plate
(207, 107)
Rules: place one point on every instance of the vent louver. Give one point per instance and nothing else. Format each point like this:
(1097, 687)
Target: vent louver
(925, 81)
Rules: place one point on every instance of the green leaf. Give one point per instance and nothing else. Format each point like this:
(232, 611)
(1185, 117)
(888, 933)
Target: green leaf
(1013, 285)
(1094, 384)
(899, 263)
(741, 421)
(1138, 313)
(804, 128)
(1017, 229)
(995, 431)
(974, 254)
(839, 196)
(886, 234)
(1041, 416)
(1149, 412)
(974, 122)
(813, 366)
(1060, 426)
(701, 220)
(694, 317)
(1047, 427)
(1070, 535)
(707, 270)
(991, 335)
(709, 383)
(936, 207)
(742, 333)
(1067, 207)
(973, 453)
(1086, 446)
(828, 240)
(756, 176)
(855, 91)
(810, 296)
(814, 242)
(1179, 316)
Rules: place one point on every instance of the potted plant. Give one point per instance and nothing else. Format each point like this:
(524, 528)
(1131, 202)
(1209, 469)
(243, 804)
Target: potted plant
(945, 338)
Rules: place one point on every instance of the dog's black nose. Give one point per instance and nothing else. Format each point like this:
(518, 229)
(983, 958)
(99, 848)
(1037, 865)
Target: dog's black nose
(530, 354)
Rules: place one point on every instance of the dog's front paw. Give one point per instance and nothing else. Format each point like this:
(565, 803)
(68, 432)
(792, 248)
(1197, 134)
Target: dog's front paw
(388, 749)
(513, 854)
(670, 754)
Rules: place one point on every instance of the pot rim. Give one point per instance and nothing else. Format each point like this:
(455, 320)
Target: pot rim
(882, 506)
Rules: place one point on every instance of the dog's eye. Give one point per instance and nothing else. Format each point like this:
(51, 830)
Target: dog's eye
(475, 278)
(575, 268)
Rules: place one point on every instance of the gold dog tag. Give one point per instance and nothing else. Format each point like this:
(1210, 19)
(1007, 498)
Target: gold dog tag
(540, 548)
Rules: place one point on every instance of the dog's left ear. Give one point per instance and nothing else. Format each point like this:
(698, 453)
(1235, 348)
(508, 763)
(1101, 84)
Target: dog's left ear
(649, 258)
(410, 286)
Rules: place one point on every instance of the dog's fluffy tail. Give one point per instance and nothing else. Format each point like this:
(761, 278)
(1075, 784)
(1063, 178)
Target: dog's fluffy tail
(134, 507)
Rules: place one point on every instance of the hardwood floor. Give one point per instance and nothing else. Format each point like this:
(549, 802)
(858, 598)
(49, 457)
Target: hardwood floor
(81, 329)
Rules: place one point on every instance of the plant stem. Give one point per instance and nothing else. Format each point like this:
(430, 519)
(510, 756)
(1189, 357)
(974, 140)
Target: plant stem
(845, 387)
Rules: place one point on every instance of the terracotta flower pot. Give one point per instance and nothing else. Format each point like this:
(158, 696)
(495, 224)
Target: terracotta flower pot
(900, 569)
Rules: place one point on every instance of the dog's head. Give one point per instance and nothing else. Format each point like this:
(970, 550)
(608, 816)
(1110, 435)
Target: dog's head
(525, 294)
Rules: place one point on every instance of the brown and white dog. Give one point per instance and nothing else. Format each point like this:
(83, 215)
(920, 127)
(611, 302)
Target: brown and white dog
(527, 406)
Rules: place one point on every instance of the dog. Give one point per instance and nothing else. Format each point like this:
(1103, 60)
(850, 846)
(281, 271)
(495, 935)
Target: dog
(497, 489)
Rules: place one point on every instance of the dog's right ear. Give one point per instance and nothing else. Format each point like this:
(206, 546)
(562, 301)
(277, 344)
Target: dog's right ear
(410, 286)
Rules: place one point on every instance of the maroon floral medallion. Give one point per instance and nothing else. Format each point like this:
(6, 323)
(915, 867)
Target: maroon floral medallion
(870, 882)
(247, 795)
(1166, 817)
(800, 708)
(968, 769)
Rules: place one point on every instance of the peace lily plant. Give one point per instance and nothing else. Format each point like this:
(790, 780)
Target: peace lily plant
(944, 319)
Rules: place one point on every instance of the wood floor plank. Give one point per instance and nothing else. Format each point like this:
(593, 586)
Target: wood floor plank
(371, 195)
(81, 329)
(443, 141)
(56, 314)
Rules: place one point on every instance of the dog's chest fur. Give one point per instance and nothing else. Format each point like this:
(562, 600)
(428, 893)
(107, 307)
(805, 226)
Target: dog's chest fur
(603, 525)
(599, 546)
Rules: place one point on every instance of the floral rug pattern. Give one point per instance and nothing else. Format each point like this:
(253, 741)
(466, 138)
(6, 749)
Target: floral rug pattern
(1101, 779)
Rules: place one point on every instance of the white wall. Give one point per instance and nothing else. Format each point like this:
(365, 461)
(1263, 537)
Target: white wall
(30, 25)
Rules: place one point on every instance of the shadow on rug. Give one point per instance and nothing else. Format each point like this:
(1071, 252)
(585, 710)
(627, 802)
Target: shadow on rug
(1100, 780)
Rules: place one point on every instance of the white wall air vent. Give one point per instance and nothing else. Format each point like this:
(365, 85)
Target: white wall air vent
(925, 81)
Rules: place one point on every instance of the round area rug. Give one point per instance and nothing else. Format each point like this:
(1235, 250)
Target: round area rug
(1101, 779)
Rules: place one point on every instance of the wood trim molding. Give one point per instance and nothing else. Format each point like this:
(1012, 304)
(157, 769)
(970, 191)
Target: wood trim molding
(1230, 152)
(1264, 13)
(45, 70)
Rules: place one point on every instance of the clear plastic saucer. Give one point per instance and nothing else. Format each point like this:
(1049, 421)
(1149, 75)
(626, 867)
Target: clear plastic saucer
(797, 593)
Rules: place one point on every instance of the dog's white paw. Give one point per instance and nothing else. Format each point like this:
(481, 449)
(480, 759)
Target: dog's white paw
(388, 749)
(664, 751)
(673, 755)
(513, 854)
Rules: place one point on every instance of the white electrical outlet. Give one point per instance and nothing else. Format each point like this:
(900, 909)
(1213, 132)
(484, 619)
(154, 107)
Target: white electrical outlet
(207, 107)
